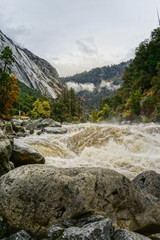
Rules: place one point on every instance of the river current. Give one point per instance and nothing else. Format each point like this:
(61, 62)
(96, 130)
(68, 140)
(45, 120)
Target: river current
(128, 149)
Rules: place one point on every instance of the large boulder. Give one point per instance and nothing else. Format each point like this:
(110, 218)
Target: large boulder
(149, 183)
(42, 123)
(34, 197)
(5, 153)
(23, 154)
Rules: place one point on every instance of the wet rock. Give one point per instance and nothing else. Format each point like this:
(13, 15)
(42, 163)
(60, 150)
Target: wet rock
(38, 196)
(5, 153)
(127, 235)
(101, 230)
(42, 123)
(21, 134)
(54, 130)
(149, 183)
(21, 235)
(17, 125)
(23, 154)
(55, 231)
(58, 230)
(8, 129)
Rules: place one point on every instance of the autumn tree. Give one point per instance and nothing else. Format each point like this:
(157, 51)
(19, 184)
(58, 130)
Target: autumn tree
(41, 109)
(8, 83)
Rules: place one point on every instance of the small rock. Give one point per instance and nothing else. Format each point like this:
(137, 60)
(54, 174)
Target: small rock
(55, 231)
(123, 234)
(149, 183)
(101, 230)
(21, 235)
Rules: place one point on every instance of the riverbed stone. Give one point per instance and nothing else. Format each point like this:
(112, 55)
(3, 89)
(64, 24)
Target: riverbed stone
(42, 123)
(23, 154)
(149, 183)
(34, 197)
(54, 130)
(21, 235)
(59, 230)
(5, 153)
(101, 230)
(7, 128)
(17, 125)
(123, 234)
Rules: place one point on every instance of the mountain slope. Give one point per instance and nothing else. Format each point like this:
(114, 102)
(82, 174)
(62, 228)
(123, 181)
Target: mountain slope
(96, 84)
(138, 99)
(32, 70)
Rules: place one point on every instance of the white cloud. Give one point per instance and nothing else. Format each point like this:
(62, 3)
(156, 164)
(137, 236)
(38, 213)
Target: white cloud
(79, 35)
(109, 85)
(81, 87)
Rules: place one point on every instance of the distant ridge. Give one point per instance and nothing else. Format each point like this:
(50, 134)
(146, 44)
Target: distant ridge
(97, 83)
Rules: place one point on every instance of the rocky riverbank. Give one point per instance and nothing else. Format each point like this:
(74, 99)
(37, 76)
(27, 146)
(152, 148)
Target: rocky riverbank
(43, 202)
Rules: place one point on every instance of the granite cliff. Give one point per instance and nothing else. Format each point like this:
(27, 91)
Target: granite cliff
(35, 72)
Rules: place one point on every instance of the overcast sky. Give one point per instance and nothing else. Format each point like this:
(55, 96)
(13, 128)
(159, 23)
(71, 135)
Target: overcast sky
(77, 35)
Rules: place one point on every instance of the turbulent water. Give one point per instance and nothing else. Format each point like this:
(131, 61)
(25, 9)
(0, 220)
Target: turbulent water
(128, 149)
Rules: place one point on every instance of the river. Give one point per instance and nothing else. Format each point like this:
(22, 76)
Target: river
(128, 149)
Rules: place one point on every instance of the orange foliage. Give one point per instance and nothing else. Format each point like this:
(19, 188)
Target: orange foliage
(10, 90)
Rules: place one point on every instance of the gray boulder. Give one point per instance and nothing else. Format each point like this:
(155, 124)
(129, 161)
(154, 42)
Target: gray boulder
(5, 153)
(101, 230)
(23, 154)
(38, 196)
(21, 235)
(7, 128)
(62, 229)
(127, 235)
(54, 130)
(17, 125)
(42, 123)
(149, 183)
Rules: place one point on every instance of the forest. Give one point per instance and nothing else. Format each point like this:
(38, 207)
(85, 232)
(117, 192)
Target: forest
(18, 99)
(138, 99)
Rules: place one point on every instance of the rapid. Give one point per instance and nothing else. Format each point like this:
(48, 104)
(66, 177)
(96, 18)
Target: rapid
(128, 149)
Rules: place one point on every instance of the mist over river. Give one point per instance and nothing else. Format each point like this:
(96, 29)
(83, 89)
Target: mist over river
(128, 149)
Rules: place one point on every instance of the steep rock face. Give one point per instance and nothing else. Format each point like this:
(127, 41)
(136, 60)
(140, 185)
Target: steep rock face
(32, 70)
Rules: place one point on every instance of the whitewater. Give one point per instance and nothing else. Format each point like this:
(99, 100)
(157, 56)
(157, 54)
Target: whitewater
(127, 149)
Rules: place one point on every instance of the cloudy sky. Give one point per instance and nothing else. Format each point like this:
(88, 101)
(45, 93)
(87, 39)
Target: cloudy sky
(77, 35)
